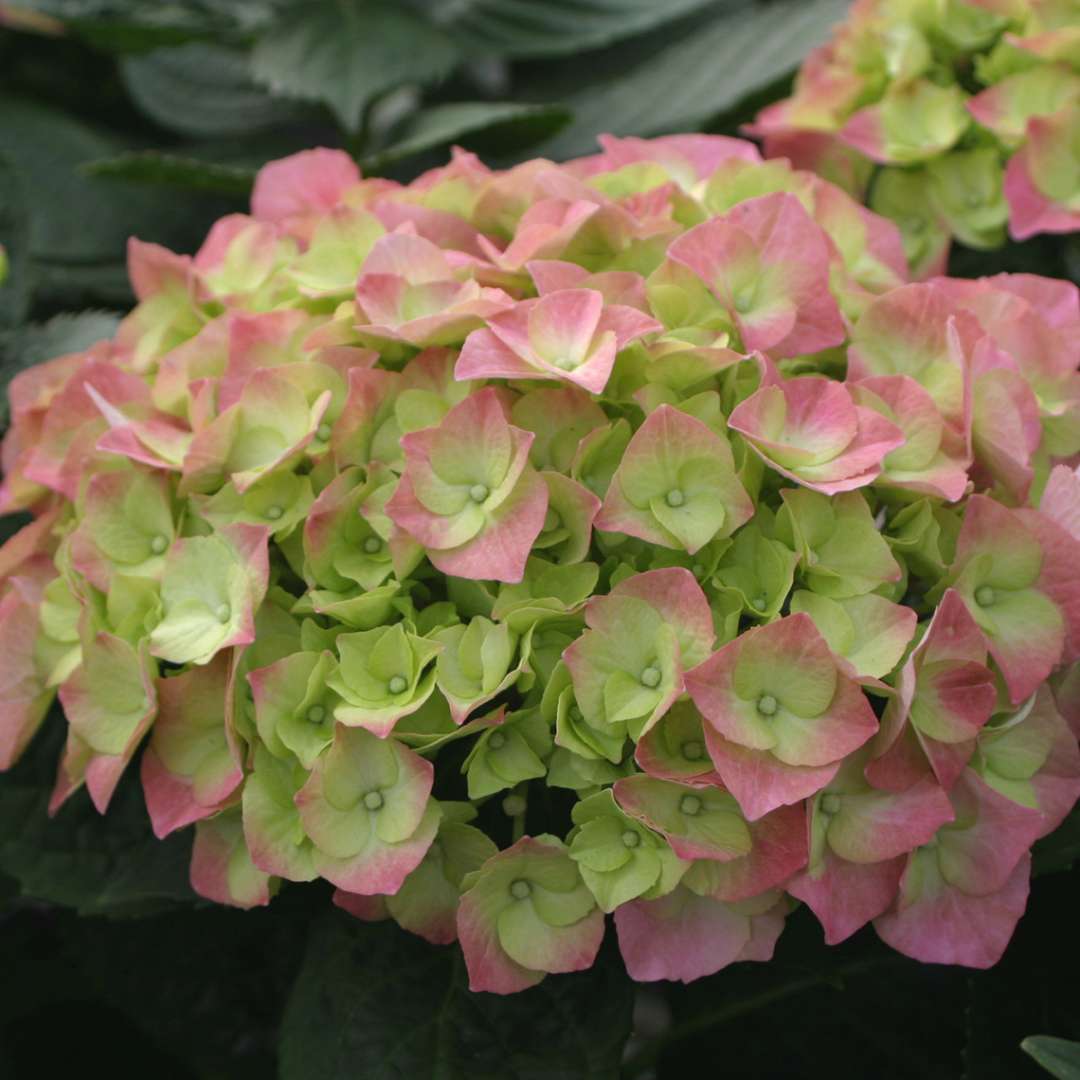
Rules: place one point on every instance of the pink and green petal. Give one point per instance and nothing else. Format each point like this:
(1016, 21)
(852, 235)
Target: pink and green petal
(110, 702)
(674, 594)
(1040, 179)
(221, 866)
(211, 587)
(525, 913)
(779, 850)
(913, 123)
(676, 485)
(869, 632)
(938, 924)
(683, 936)
(559, 418)
(768, 264)
(811, 430)
(700, 822)
(24, 695)
(761, 782)
(501, 549)
(933, 459)
(273, 831)
(383, 675)
(999, 568)
(189, 770)
(841, 551)
(845, 896)
(367, 810)
(295, 191)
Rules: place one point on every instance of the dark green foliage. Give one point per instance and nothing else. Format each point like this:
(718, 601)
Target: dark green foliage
(424, 1022)
(98, 866)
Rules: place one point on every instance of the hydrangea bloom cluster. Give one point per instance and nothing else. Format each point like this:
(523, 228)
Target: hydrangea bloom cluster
(970, 108)
(514, 548)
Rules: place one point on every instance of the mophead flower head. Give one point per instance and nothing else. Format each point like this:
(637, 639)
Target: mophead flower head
(642, 498)
(994, 149)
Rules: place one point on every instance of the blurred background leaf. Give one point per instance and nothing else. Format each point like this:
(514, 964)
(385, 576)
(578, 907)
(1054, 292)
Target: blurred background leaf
(348, 54)
(703, 74)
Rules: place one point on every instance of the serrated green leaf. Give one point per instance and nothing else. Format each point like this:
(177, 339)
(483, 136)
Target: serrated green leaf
(131, 25)
(705, 73)
(524, 28)
(346, 54)
(1059, 1057)
(162, 169)
(78, 226)
(202, 90)
(375, 1002)
(503, 126)
(110, 865)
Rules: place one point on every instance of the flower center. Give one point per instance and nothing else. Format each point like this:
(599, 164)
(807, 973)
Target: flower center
(830, 803)
(760, 601)
(674, 497)
(373, 800)
(744, 301)
(497, 740)
(650, 677)
(693, 750)
(372, 544)
(397, 684)
(223, 613)
(630, 839)
(159, 543)
(984, 596)
(513, 805)
(520, 889)
(690, 805)
(316, 714)
(275, 512)
(478, 493)
(323, 432)
(767, 705)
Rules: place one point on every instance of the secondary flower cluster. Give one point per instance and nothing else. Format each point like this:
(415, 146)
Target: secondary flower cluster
(639, 500)
(971, 107)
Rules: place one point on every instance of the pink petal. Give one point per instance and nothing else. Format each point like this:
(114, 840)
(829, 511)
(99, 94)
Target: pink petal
(759, 781)
(681, 936)
(1030, 211)
(946, 926)
(845, 896)
(311, 181)
(779, 851)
